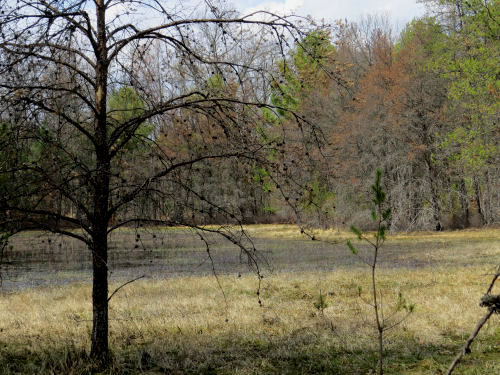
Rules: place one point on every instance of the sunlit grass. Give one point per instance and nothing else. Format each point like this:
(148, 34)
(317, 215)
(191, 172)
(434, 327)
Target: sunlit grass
(290, 231)
(188, 325)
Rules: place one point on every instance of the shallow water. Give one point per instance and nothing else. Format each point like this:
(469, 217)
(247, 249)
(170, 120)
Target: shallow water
(40, 259)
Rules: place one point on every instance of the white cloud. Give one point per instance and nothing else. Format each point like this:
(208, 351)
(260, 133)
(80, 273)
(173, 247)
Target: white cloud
(400, 11)
(286, 6)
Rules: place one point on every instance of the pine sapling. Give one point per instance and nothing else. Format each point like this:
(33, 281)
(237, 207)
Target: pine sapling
(380, 216)
(321, 303)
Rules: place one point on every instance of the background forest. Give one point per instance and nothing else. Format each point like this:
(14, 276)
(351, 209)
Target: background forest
(421, 105)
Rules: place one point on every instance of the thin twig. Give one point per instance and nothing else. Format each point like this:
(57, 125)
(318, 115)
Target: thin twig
(213, 266)
(121, 286)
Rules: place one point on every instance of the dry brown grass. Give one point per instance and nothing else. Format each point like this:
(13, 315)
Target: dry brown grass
(291, 231)
(183, 325)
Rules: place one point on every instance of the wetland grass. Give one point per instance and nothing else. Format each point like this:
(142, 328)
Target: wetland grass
(183, 324)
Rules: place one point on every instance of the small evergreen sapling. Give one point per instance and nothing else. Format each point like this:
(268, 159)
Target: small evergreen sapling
(321, 303)
(380, 216)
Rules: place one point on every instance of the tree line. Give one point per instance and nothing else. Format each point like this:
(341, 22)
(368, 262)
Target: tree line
(422, 106)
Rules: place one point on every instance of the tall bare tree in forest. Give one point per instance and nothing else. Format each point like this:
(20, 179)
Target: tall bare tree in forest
(81, 164)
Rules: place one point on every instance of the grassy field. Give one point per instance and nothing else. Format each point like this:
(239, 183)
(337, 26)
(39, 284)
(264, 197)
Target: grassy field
(176, 322)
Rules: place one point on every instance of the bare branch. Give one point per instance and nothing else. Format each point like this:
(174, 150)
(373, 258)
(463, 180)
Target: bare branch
(124, 284)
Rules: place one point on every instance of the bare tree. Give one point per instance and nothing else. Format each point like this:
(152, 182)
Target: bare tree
(82, 167)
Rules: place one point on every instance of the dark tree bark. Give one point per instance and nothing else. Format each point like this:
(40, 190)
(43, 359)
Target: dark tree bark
(99, 347)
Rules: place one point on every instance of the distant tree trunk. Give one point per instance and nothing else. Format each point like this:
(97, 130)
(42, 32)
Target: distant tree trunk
(487, 203)
(433, 180)
(464, 202)
(477, 195)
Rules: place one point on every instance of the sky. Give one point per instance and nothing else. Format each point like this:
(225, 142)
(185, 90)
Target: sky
(399, 11)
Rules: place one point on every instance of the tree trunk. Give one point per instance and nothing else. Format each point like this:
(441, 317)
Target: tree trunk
(436, 212)
(99, 348)
(488, 199)
(464, 202)
(477, 193)
(433, 182)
